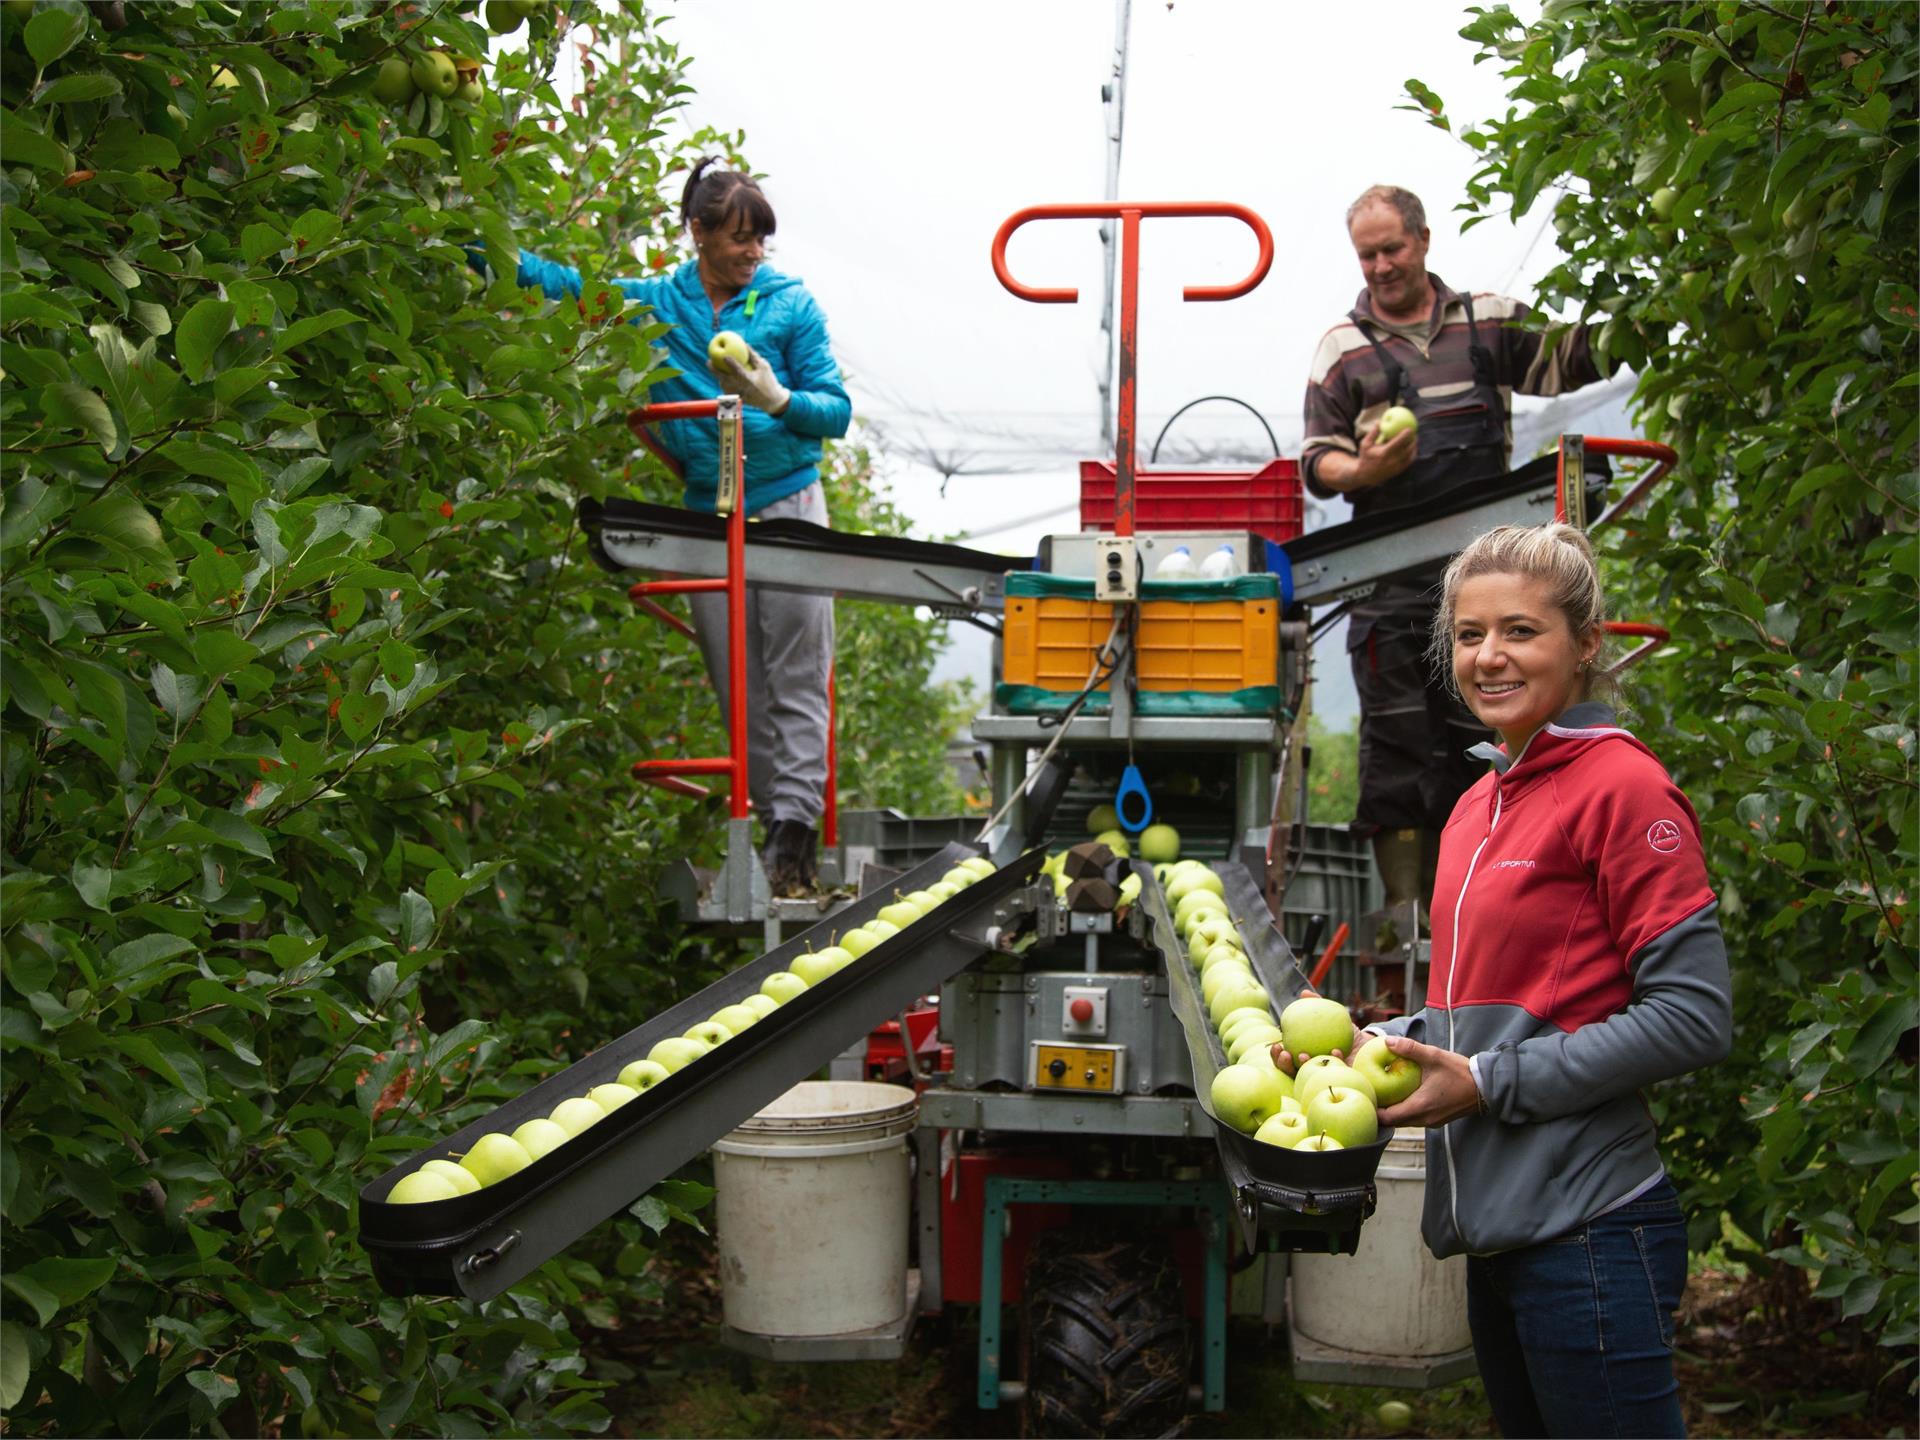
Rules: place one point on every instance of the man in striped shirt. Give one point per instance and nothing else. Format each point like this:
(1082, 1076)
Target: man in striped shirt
(1455, 360)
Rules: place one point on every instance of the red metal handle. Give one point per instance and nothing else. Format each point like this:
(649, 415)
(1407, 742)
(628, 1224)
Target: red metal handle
(1663, 456)
(1133, 214)
(1328, 956)
(1130, 215)
(642, 419)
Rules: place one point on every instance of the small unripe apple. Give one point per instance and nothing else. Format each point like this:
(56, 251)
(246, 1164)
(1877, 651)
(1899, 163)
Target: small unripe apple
(643, 1075)
(1397, 419)
(494, 1157)
(1394, 1414)
(434, 72)
(472, 91)
(1102, 817)
(1662, 202)
(503, 16)
(420, 1188)
(537, 1137)
(393, 82)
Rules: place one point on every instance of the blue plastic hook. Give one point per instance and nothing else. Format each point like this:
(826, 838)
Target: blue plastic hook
(1132, 788)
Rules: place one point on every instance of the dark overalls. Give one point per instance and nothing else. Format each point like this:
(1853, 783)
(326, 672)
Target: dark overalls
(1414, 731)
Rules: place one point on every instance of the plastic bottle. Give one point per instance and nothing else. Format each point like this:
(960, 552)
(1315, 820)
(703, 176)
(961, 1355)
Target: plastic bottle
(1222, 564)
(1177, 566)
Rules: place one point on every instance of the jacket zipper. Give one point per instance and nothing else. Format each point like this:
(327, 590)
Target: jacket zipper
(1446, 1131)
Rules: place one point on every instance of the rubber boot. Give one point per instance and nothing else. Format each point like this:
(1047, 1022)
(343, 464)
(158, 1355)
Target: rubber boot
(1397, 854)
(791, 858)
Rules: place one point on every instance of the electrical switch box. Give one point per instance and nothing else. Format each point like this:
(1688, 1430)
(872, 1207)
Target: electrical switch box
(1116, 568)
(1082, 1069)
(1083, 1010)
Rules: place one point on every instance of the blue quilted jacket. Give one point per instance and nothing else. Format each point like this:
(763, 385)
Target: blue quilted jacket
(778, 318)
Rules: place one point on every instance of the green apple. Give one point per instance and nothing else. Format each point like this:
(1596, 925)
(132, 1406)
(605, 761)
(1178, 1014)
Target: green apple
(1323, 1071)
(1234, 994)
(611, 1096)
(979, 865)
(1397, 419)
(709, 1032)
(494, 1157)
(899, 914)
(727, 345)
(472, 91)
(1225, 953)
(817, 965)
(735, 1017)
(1252, 1041)
(1193, 904)
(1315, 1025)
(1346, 1114)
(1197, 877)
(1285, 1128)
(1662, 202)
(537, 1137)
(761, 1004)
(782, 986)
(1291, 1106)
(1129, 889)
(885, 929)
(462, 1180)
(576, 1114)
(419, 1188)
(1393, 1077)
(1160, 844)
(434, 72)
(1394, 1414)
(676, 1052)
(923, 900)
(1244, 1096)
(1116, 841)
(1209, 931)
(959, 877)
(943, 889)
(1233, 970)
(643, 1075)
(393, 82)
(1319, 1142)
(857, 942)
(1249, 1015)
(503, 16)
(1102, 817)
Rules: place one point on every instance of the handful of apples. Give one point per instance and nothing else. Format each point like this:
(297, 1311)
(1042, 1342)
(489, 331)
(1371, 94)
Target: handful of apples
(497, 1155)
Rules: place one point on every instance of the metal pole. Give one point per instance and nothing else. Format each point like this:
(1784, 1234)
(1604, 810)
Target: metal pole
(1113, 99)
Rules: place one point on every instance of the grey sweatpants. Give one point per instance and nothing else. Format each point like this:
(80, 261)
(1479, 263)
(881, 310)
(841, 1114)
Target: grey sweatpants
(789, 652)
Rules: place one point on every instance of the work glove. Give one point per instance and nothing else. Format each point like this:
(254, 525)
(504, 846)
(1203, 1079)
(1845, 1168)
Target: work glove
(754, 382)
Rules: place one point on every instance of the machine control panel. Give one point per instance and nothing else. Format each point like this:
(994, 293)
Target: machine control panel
(1083, 1010)
(1081, 1069)
(1116, 573)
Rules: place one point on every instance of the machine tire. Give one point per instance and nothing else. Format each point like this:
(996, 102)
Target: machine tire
(1104, 1343)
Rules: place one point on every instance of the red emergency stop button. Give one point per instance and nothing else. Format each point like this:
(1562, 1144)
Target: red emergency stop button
(1081, 1010)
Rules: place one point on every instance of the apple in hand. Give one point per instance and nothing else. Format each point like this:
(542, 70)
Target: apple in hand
(1393, 1077)
(494, 1157)
(537, 1137)
(728, 346)
(643, 1075)
(1285, 1128)
(782, 986)
(462, 1180)
(1398, 418)
(421, 1187)
(1345, 1113)
(1244, 1096)
(576, 1114)
(1315, 1025)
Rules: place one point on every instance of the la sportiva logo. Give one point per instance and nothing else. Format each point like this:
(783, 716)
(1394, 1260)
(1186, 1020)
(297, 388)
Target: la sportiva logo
(1664, 836)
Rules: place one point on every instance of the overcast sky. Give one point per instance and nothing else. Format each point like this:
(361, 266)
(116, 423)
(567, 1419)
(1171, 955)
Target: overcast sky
(894, 138)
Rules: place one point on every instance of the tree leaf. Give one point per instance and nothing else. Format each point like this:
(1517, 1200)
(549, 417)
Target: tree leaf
(74, 407)
(200, 333)
(51, 33)
(69, 88)
(14, 1365)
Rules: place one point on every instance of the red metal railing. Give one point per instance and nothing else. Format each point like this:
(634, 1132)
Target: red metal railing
(666, 773)
(1130, 216)
(1664, 459)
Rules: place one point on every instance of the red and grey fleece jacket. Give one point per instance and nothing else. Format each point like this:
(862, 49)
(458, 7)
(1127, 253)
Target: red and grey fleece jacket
(1577, 958)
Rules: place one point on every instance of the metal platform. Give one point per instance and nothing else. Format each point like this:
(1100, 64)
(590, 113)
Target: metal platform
(1329, 1364)
(883, 1342)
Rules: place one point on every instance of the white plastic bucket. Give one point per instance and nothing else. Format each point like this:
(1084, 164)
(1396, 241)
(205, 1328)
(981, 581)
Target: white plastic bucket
(1390, 1297)
(812, 1207)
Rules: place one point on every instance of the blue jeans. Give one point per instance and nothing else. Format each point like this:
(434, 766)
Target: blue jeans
(1575, 1335)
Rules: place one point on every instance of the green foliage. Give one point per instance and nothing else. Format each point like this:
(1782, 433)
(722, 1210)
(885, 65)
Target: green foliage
(318, 838)
(1770, 313)
(1333, 782)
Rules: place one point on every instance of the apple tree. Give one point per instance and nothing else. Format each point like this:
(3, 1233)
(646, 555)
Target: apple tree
(314, 717)
(1733, 187)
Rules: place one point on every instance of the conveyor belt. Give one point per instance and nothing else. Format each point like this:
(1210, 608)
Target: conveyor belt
(1304, 1200)
(477, 1245)
(796, 555)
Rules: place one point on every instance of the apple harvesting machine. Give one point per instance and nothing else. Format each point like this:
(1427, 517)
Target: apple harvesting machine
(1062, 1057)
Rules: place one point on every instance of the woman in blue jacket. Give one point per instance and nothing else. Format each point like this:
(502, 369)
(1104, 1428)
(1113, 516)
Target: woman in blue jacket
(794, 400)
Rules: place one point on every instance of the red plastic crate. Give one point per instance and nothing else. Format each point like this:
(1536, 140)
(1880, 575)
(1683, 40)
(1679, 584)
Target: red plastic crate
(1267, 502)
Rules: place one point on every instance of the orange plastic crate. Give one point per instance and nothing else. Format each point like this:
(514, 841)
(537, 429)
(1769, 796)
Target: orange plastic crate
(1049, 642)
